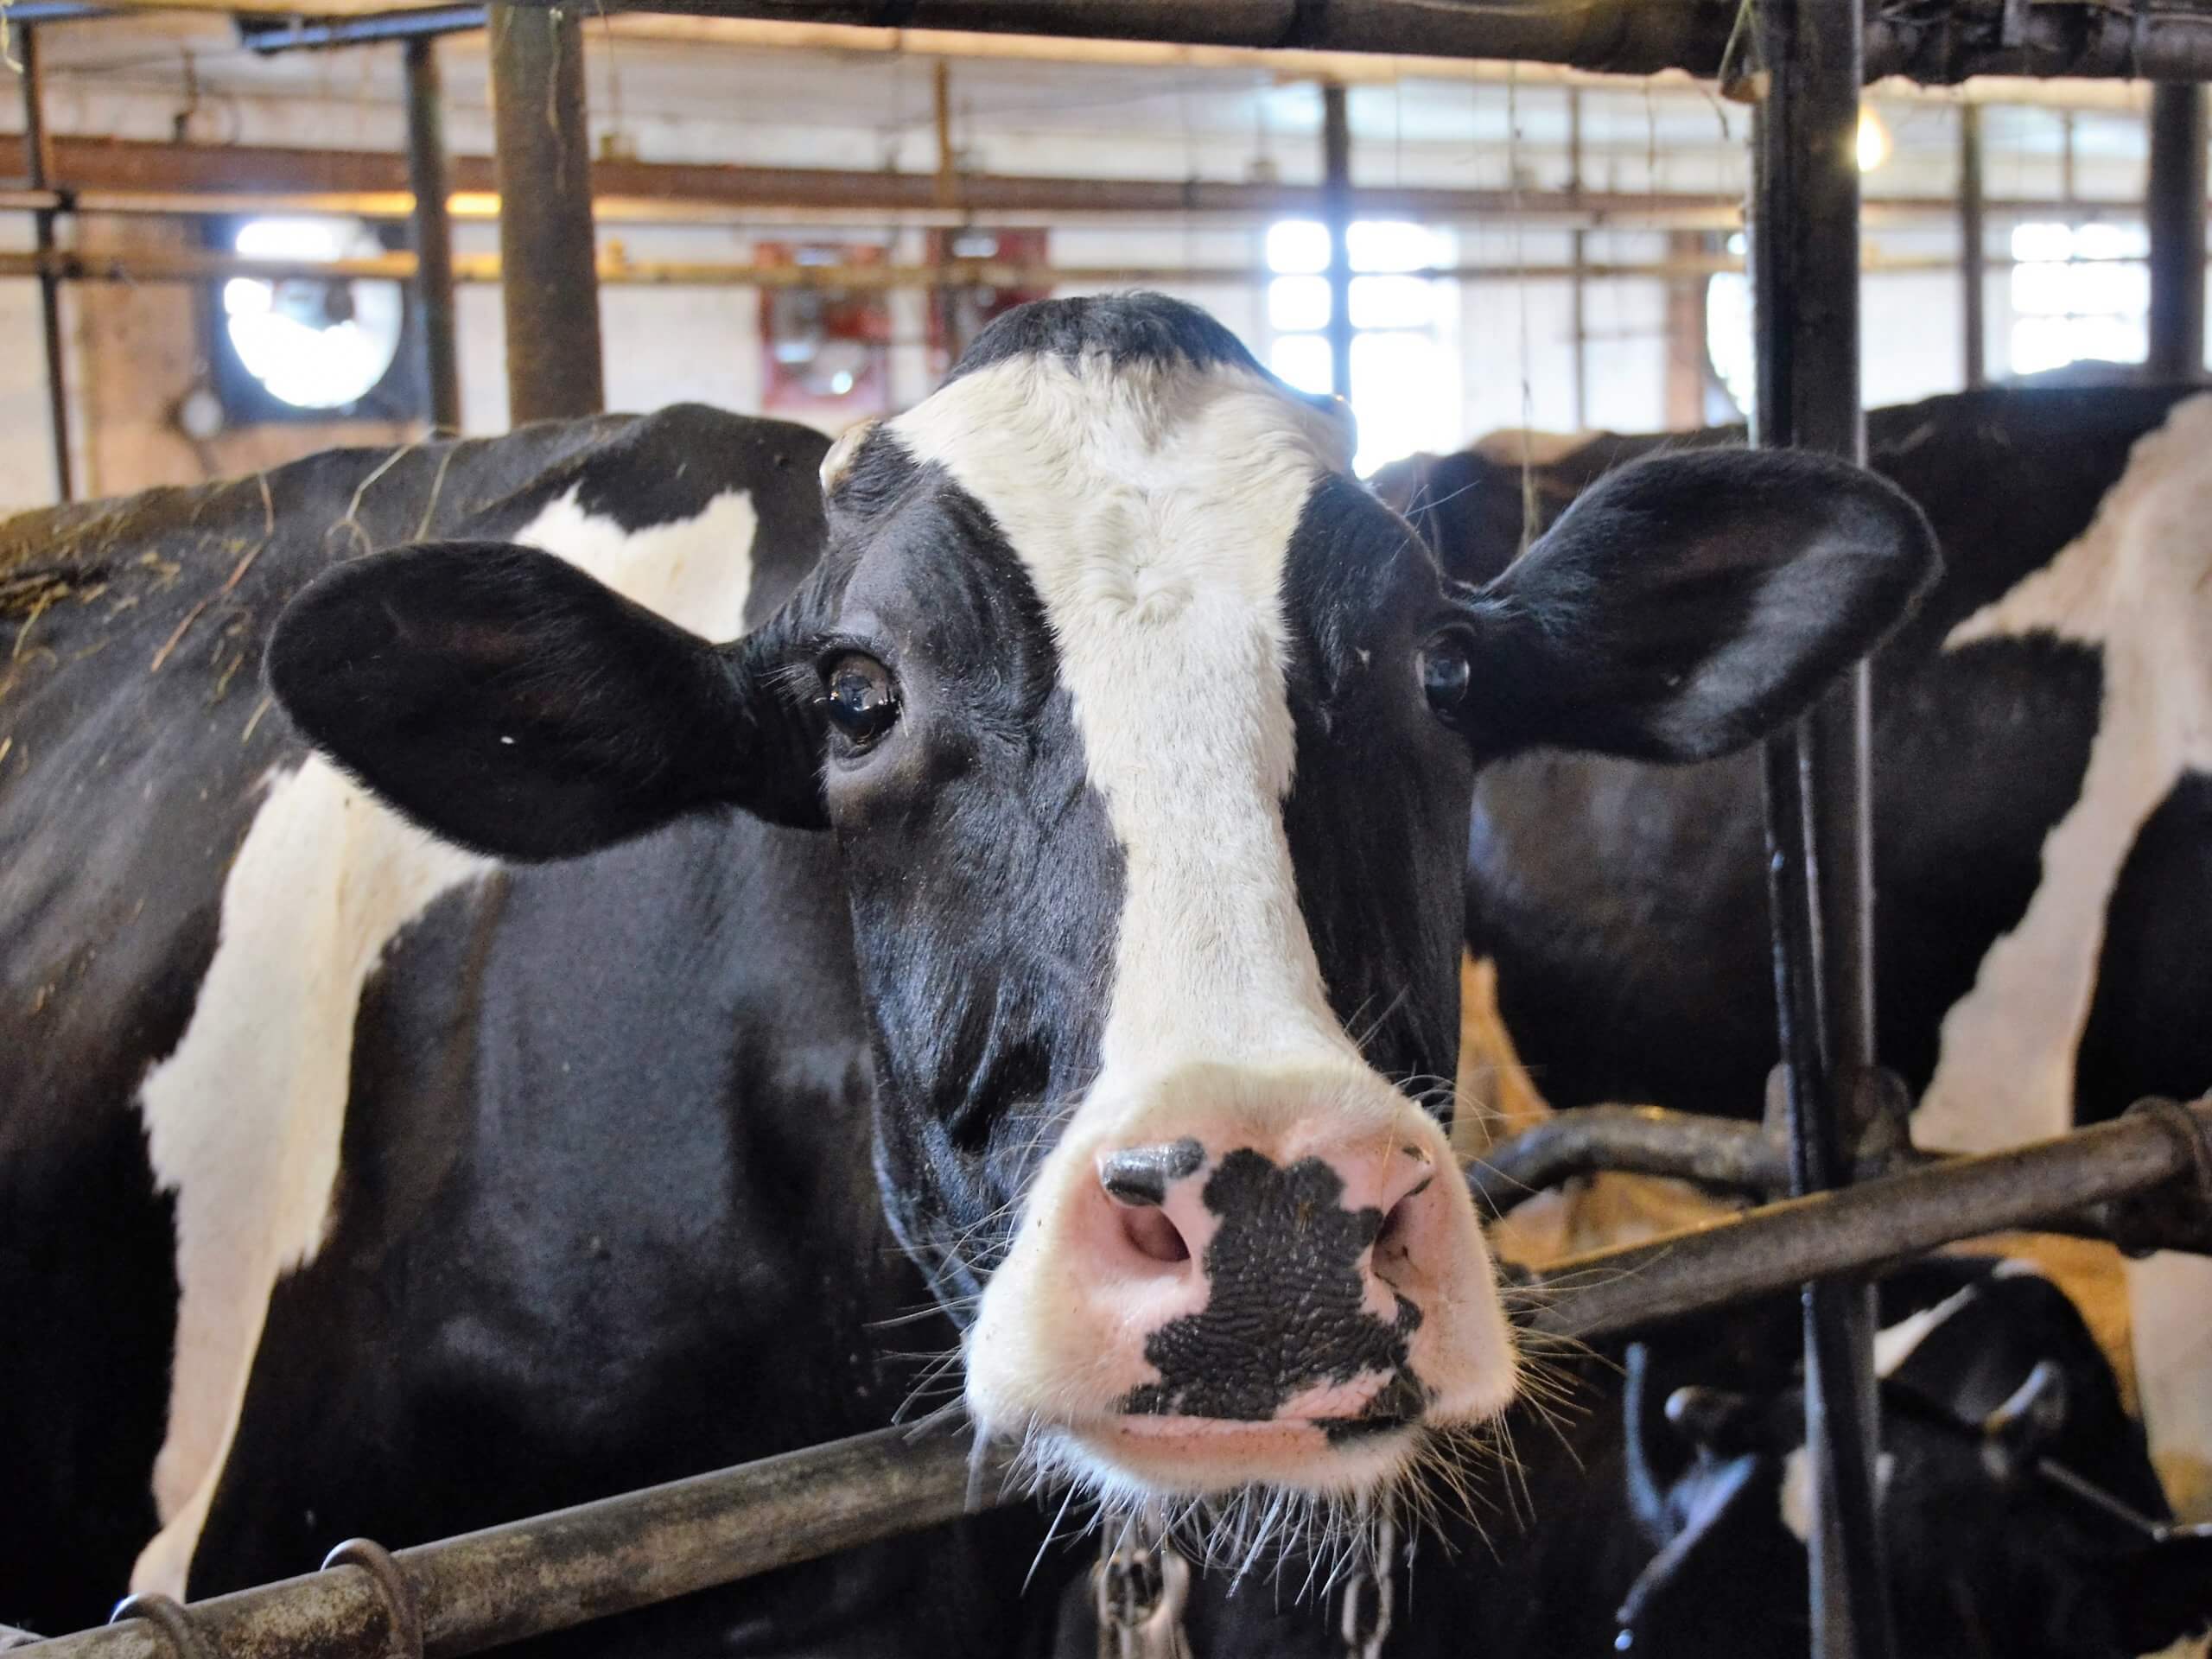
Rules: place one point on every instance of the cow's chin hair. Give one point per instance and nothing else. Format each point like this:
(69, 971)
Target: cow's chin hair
(1310, 1538)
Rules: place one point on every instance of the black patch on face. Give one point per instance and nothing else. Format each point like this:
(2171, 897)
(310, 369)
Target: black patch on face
(982, 875)
(1287, 1309)
(1123, 328)
(1377, 816)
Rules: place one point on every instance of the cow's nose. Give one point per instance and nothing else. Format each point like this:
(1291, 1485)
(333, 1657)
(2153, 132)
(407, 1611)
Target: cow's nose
(1287, 1254)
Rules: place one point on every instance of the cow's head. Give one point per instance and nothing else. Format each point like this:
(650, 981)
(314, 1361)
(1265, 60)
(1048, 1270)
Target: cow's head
(1148, 737)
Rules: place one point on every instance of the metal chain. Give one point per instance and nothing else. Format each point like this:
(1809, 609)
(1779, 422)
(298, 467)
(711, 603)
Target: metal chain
(1371, 1596)
(1140, 1588)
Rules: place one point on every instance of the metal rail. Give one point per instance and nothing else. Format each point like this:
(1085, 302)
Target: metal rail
(532, 1577)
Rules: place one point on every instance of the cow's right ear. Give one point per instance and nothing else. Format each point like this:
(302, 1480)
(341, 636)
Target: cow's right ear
(507, 701)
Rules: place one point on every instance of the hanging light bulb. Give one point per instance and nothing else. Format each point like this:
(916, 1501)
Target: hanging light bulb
(1873, 141)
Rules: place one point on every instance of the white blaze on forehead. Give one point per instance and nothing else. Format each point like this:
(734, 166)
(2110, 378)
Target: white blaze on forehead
(1153, 508)
(243, 1120)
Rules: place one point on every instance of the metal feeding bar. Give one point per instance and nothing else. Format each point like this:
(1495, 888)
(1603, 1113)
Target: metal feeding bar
(551, 1571)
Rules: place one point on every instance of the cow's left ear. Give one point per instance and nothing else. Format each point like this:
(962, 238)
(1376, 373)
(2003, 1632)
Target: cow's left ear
(507, 701)
(1691, 603)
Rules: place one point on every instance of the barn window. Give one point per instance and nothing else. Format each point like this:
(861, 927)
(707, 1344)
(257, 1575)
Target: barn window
(288, 347)
(1405, 391)
(2079, 291)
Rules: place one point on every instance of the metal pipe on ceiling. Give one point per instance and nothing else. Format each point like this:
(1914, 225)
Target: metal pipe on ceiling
(550, 1572)
(2141, 39)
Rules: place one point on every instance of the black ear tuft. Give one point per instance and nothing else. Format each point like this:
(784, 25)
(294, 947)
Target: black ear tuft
(509, 702)
(1692, 603)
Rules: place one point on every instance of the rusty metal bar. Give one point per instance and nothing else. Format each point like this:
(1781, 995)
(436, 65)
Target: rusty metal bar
(547, 249)
(1731, 1156)
(2174, 208)
(197, 265)
(38, 169)
(126, 175)
(1974, 248)
(426, 178)
(549, 1572)
(1336, 214)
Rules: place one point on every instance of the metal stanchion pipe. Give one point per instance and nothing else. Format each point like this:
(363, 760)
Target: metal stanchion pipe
(2174, 207)
(426, 177)
(1805, 311)
(1973, 247)
(1335, 213)
(38, 171)
(546, 255)
(549, 1572)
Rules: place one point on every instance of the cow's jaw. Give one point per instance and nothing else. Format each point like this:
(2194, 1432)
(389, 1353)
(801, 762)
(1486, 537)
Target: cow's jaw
(1153, 506)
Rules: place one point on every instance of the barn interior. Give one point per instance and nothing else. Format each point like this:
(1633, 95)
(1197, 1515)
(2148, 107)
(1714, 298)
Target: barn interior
(1543, 248)
(233, 236)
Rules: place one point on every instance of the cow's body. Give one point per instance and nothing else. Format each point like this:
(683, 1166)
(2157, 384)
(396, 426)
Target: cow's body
(530, 1170)
(2043, 816)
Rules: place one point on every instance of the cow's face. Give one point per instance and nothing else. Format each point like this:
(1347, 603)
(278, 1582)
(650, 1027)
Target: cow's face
(1148, 737)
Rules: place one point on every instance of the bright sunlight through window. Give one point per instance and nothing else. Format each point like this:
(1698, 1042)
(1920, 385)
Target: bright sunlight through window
(1405, 393)
(2079, 291)
(314, 345)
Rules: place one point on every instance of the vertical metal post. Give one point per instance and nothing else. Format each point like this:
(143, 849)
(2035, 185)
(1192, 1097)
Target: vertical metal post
(1973, 249)
(426, 177)
(549, 274)
(38, 170)
(1578, 255)
(1805, 286)
(1335, 209)
(2174, 206)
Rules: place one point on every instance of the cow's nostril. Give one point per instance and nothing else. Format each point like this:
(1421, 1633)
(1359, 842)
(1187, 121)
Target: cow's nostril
(1137, 1180)
(1141, 1175)
(1153, 1234)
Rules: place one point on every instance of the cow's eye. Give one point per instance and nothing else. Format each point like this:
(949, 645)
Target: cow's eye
(1446, 675)
(861, 696)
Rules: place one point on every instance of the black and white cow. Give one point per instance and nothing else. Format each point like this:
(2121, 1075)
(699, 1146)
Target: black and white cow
(2042, 814)
(1065, 868)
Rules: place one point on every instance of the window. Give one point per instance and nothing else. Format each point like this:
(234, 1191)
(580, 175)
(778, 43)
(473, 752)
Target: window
(1405, 390)
(294, 347)
(1728, 329)
(2078, 291)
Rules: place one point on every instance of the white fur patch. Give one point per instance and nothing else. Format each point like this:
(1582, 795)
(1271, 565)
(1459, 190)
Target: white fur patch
(243, 1120)
(2138, 584)
(1153, 507)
